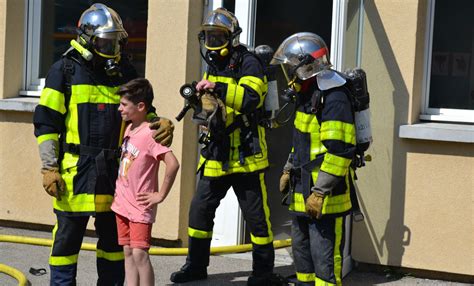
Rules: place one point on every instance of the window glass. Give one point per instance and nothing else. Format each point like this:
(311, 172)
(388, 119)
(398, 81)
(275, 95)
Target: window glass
(452, 74)
(58, 26)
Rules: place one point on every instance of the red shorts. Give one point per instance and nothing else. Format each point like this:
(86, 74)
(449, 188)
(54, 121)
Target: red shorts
(134, 234)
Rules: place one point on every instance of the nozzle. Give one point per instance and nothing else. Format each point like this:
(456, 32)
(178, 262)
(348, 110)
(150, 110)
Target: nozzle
(85, 53)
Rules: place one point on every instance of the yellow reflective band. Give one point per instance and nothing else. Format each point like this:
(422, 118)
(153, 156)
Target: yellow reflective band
(337, 252)
(335, 165)
(222, 79)
(81, 202)
(53, 99)
(267, 239)
(46, 137)
(234, 96)
(63, 260)
(320, 282)
(338, 130)
(297, 203)
(199, 233)
(86, 93)
(110, 256)
(254, 83)
(306, 123)
(305, 277)
(337, 204)
(103, 203)
(213, 168)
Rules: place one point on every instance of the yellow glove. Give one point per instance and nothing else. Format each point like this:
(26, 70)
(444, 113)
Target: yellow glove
(314, 205)
(53, 183)
(163, 131)
(285, 182)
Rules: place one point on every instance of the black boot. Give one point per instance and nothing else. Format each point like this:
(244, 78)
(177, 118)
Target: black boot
(187, 273)
(267, 279)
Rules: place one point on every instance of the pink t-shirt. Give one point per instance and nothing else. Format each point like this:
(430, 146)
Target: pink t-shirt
(138, 173)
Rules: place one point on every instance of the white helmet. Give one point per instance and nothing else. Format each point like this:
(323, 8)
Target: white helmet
(302, 55)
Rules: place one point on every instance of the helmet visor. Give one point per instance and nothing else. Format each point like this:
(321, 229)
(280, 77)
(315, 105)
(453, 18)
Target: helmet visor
(108, 48)
(215, 39)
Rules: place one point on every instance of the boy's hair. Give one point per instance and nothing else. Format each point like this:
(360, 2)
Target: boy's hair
(137, 90)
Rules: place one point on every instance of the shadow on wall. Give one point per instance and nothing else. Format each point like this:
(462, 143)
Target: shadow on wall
(396, 235)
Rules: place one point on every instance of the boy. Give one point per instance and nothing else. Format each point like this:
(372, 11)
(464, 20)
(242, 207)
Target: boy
(137, 195)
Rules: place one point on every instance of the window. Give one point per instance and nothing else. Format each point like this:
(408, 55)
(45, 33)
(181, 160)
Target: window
(449, 89)
(52, 24)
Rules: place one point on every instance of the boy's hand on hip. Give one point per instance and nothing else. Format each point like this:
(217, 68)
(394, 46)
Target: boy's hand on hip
(150, 199)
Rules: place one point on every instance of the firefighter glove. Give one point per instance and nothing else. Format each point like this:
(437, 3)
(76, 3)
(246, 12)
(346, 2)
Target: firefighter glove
(285, 182)
(163, 133)
(211, 103)
(314, 205)
(53, 183)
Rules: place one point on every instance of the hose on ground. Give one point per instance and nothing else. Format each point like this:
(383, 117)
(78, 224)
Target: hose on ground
(22, 281)
(152, 251)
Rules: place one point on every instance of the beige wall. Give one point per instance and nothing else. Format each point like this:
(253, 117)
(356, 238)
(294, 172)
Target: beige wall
(416, 194)
(172, 60)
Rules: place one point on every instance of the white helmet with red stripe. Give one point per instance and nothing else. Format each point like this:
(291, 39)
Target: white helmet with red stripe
(302, 55)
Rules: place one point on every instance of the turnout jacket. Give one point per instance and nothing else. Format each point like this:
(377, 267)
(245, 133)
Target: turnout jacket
(239, 145)
(323, 149)
(87, 127)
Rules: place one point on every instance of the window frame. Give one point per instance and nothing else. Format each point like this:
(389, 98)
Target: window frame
(430, 113)
(32, 83)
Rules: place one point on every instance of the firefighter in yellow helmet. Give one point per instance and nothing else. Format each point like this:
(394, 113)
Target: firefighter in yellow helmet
(78, 129)
(318, 169)
(234, 152)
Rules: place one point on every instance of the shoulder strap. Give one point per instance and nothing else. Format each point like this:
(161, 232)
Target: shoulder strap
(68, 72)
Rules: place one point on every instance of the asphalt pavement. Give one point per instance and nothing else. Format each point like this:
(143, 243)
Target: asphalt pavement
(228, 269)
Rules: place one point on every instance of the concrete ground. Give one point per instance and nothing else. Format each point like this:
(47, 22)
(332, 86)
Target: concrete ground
(230, 269)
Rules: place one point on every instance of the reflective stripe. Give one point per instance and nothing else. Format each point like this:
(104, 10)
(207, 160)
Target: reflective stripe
(53, 99)
(267, 239)
(338, 130)
(337, 251)
(45, 137)
(222, 79)
(234, 96)
(81, 202)
(63, 260)
(297, 203)
(110, 256)
(213, 168)
(320, 282)
(337, 204)
(305, 277)
(335, 165)
(199, 233)
(254, 83)
(86, 93)
(306, 123)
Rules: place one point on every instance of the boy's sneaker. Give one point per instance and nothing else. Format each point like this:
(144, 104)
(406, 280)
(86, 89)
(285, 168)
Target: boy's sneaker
(187, 274)
(267, 279)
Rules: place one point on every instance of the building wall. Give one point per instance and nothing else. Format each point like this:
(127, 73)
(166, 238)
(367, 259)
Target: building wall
(416, 194)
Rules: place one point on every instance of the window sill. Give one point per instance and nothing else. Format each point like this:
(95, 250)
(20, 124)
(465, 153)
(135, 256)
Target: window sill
(438, 132)
(26, 104)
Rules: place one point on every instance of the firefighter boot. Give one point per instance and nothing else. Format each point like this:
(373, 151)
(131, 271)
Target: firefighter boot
(187, 274)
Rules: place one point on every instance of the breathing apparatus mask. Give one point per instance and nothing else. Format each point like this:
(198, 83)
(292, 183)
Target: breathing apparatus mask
(101, 37)
(220, 33)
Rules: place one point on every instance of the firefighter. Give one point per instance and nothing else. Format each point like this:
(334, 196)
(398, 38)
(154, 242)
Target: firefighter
(78, 129)
(318, 170)
(234, 152)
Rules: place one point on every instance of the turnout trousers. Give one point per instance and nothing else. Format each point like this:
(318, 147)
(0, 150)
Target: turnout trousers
(317, 249)
(251, 193)
(68, 234)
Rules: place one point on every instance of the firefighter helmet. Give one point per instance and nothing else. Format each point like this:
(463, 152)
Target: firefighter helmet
(302, 55)
(220, 28)
(101, 28)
